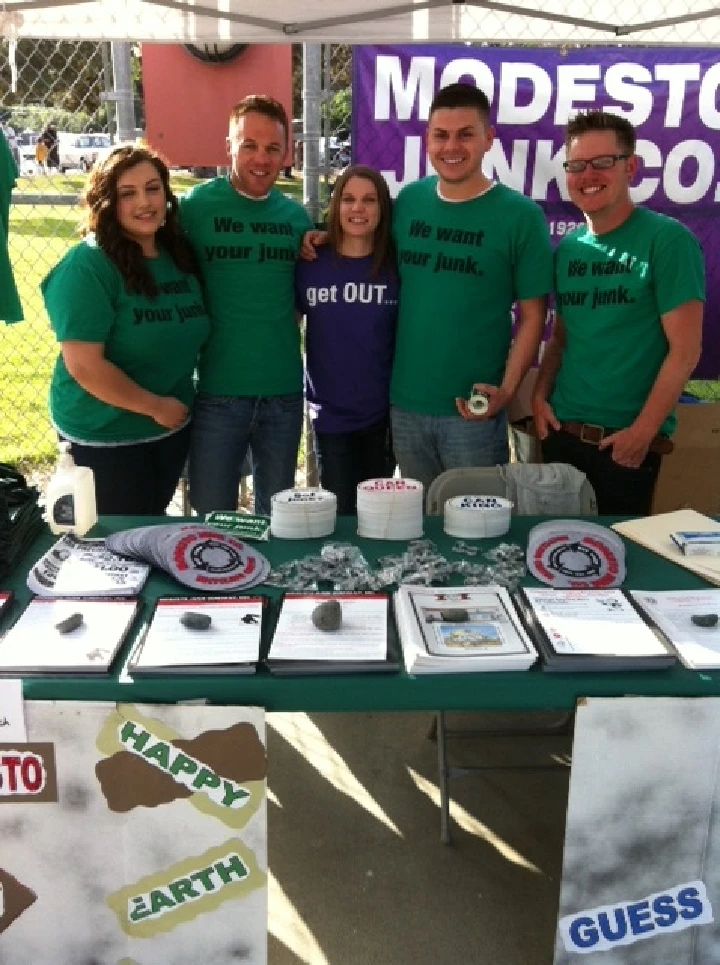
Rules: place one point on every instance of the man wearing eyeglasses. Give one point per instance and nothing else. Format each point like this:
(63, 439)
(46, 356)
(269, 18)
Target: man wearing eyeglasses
(629, 293)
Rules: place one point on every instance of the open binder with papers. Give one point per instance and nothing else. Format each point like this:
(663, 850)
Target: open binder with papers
(364, 641)
(597, 630)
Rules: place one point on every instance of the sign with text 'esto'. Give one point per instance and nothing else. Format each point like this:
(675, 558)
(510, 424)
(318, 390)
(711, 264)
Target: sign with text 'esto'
(27, 772)
(671, 96)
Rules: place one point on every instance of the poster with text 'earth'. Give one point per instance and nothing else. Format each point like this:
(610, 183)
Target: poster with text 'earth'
(134, 835)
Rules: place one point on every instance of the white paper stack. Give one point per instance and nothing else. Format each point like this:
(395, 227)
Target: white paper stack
(572, 554)
(474, 517)
(460, 630)
(76, 566)
(303, 513)
(390, 509)
(697, 641)
(229, 644)
(34, 645)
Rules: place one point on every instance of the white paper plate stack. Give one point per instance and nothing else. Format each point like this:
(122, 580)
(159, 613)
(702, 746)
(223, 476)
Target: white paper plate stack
(303, 513)
(474, 517)
(390, 509)
(570, 553)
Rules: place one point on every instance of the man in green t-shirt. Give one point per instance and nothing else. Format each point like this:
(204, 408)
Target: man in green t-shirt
(467, 249)
(629, 293)
(246, 235)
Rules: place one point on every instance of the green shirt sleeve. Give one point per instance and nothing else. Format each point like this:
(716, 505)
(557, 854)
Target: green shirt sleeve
(678, 268)
(80, 295)
(533, 256)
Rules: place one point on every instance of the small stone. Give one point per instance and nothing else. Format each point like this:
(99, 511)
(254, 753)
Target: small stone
(70, 623)
(705, 619)
(196, 621)
(456, 615)
(327, 616)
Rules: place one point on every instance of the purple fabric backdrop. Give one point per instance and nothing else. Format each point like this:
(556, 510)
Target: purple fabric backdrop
(672, 96)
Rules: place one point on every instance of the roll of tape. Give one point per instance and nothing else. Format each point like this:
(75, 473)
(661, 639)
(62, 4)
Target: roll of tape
(478, 403)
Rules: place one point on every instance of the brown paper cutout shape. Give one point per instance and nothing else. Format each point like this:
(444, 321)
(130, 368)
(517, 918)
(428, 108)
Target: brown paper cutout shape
(15, 898)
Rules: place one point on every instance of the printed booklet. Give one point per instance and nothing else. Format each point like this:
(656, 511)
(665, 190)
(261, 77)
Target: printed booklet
(461, 630)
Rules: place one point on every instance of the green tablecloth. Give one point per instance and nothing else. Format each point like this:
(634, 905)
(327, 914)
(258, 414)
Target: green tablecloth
(529, 690)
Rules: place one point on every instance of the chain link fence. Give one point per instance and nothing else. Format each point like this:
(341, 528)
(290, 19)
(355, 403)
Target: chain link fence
(64, 85)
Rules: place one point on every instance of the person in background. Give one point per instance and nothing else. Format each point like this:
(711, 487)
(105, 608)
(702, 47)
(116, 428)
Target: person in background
(467, 248)
(629, 292)
(10, 307)
(126, 307)
(50, 157)
(349, 295)
(246, 234)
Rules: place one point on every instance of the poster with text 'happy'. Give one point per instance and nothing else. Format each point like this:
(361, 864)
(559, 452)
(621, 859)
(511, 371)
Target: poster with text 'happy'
(641, 871)
(134, 835)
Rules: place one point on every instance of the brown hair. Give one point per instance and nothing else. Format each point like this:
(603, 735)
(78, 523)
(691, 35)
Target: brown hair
(100, 200)
(261, 104)
(383, 253)
(597, 120)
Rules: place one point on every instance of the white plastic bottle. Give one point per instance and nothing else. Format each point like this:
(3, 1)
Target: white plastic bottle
(70, 496)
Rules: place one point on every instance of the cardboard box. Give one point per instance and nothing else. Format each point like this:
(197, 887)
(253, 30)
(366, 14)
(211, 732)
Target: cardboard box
(690, 475)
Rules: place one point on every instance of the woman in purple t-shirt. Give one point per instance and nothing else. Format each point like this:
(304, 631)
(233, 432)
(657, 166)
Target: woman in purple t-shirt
(349, 296)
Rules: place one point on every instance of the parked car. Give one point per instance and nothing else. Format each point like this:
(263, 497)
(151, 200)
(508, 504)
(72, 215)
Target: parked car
(82, 150)
(26, 145)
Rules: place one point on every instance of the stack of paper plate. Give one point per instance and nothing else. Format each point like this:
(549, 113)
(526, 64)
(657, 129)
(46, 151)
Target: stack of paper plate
(473, 517)
(303, 513)
(570, 553)
(390, 508)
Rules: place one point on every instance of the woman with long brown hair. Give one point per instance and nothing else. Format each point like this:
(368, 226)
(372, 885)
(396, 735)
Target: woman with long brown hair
(127, 309)
(348, 295)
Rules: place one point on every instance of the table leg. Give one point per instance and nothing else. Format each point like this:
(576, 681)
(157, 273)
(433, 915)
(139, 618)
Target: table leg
(443, 779)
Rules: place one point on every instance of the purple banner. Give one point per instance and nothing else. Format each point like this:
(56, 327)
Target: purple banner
(671, 96)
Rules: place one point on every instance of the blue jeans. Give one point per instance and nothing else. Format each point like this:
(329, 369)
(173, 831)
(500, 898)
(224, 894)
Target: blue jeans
(223, 429)
(426, 445)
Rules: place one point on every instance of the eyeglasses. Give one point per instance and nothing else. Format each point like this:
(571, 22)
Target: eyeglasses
(603, 162)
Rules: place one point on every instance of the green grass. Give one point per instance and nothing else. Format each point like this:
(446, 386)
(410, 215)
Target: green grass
(705, 389)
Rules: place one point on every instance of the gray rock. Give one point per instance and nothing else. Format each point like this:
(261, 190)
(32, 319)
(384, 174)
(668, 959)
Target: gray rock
(456, 615)
(705, 619)
(70, 623)
(327, 616)
(196, 621)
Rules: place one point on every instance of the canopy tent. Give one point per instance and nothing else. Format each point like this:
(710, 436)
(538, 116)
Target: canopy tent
(366, 21)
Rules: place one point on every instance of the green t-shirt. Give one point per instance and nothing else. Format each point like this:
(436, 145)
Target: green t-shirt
(247, 250)
(610, 291)
(10, 307)
(153, 341)
(462, 265)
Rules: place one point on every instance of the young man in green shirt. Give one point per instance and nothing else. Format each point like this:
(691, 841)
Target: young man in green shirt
(629, 292)
(246, 235)
(467, 249)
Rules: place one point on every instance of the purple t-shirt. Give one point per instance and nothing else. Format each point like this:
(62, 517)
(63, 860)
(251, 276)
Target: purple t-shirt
(351, 318)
